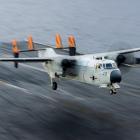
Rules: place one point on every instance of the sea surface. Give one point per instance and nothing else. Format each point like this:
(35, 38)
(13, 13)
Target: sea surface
(96, 24)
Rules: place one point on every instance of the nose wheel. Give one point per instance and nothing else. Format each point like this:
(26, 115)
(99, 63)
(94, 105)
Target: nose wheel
(113, 88)
(113, 91)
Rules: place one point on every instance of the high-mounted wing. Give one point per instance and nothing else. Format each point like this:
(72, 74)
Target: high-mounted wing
(126, 51)
(130, 51)
(26, 60)
(121, 57)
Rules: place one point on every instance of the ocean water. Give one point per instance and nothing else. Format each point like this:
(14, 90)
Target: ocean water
(96, 24)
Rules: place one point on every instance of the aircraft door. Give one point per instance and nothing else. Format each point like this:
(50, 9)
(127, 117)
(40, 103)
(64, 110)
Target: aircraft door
(102, 74)
(98, 73)
(88, 75)
(91, 74)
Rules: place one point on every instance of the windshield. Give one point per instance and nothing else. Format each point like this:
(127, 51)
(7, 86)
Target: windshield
(109, 66)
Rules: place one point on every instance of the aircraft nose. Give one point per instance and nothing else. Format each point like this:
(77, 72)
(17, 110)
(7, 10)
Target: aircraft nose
(115, 76)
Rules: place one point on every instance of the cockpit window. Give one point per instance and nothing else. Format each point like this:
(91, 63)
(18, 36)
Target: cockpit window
(109, 66)
(114, 65)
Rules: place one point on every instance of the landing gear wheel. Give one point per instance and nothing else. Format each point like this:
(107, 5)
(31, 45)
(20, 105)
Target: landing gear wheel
(115, 92)
(112, 92)
(54, 86)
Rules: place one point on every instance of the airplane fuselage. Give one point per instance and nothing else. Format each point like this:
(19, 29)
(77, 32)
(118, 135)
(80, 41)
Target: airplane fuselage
(84, 69)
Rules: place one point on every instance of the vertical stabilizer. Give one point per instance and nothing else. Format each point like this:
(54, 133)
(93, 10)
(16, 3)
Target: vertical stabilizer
(48, 52)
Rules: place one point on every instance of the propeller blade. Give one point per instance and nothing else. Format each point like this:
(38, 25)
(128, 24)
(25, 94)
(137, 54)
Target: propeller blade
(58, 41)
(30, 43)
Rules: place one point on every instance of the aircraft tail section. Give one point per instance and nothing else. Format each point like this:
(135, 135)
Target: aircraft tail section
(48, 52)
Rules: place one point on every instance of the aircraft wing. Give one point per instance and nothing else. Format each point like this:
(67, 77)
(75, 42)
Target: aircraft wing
(24, 60)
(127, 51)
(121, 56)
(112, 53)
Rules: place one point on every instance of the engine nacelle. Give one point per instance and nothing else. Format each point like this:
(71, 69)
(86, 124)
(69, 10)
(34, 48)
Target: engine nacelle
(15, 51)
(72, 45)
(69, 67)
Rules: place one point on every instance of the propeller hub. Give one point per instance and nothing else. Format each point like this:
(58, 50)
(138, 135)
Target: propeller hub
(120, 59)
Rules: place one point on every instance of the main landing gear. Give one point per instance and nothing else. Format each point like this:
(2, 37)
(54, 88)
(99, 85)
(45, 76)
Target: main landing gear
(54, 85)
(53, 82)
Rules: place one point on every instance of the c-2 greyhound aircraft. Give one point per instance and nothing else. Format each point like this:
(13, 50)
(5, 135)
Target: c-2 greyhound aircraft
(99, 69)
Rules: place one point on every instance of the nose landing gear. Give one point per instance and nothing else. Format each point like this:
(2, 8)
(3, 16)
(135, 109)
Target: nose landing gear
(113, 91)
(113, 88)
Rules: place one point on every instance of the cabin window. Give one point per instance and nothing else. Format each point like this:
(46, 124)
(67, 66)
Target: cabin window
(99, 66)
